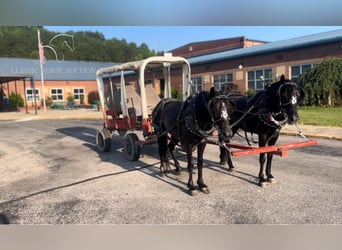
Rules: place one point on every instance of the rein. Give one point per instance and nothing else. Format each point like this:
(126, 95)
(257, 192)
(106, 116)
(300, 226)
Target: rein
(269, 118)
(196, 128)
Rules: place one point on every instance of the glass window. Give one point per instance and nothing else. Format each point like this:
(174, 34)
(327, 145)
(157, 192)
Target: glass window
(220, 80)
(258, 78)
(57, 94)
(298, 70)
(30, 94)
(79, 94)
(196, 84)
(305, 68)
(295, 72)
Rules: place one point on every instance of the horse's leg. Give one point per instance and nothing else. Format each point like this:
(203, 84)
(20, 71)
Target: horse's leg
(192, 189)
(269, 175)
(171, 147)
(230, 162)
(225, 157)
(162, 149)
(200, 181)
(262, 159)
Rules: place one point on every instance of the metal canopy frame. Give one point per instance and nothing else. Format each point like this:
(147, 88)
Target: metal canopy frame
(164, 63)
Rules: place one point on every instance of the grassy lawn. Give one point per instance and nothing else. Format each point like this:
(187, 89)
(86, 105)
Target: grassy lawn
(321, 116)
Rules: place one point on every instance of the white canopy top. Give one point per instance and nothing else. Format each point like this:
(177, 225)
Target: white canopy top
(164, 63)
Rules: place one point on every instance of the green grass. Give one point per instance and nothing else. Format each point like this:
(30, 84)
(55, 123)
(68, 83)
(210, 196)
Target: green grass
(321, 116)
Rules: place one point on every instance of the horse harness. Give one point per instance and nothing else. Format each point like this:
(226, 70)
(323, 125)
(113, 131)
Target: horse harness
(270, 119)
(187, 114)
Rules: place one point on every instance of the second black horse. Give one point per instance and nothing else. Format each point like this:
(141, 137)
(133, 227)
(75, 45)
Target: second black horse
(265, 114)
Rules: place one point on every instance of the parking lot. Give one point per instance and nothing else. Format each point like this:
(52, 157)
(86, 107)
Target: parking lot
(52, 173)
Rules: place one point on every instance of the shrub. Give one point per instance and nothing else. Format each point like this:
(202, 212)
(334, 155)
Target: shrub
(175, 93)
(70, 98)
(93, 97)
(14, 98)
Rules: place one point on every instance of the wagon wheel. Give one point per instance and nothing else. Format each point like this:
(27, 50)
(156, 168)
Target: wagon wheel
(132, 150)
(103, 140)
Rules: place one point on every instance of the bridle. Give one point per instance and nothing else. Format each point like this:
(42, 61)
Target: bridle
(269, 119)
(224, 113)
(195, 128)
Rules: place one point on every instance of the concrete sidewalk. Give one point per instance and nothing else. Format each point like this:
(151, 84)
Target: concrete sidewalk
(334, 133)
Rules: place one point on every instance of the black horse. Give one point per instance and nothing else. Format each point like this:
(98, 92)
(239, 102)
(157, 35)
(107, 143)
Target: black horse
(189, 123)
(264, 114)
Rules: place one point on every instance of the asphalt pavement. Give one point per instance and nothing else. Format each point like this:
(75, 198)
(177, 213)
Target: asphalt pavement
(309, 131)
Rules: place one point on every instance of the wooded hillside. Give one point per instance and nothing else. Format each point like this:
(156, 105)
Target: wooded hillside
(22, 42)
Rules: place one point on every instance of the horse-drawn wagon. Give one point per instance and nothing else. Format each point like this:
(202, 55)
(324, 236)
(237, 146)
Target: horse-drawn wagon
(130, 101)
(128, 93)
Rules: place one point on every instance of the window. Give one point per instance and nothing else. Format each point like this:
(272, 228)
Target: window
(79, 94)
(57, 94)
(30, 95)
(196, 84)
(258, 78)
(220, 80)
(298, 70)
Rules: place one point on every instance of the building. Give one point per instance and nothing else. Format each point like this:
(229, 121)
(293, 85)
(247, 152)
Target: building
(247, 68)
(234, 64)
(61, 80)
(213, 46)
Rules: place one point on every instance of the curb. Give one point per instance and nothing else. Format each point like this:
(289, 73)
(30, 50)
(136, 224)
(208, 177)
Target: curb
(309, 136)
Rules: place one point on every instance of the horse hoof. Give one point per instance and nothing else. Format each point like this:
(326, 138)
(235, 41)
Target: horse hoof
(162, 174)
(223, 162)
(271, 180)
(263, 184)
(205, 190)
(178, 173)
(193, 192)
(230, 169)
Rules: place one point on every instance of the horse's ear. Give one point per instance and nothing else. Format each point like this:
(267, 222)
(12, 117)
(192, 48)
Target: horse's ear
(282, 78)
(212, 92)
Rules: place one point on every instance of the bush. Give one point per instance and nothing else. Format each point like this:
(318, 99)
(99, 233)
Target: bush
(14, 98)
(93, 97)
(175, 93)
(250, 92)
(70, 98)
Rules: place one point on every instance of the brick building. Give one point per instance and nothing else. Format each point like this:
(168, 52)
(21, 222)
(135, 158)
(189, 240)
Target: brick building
(61, 79)
(241, 64)
(238, 63)
(208, 47)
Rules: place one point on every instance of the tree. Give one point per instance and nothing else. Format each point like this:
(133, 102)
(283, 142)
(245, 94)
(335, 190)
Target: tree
(323, 83)
(21, 42)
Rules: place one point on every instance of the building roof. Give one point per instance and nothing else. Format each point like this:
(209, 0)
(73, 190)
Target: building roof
(53, 70)
(212, 46)
(10, 78)
(283, 45)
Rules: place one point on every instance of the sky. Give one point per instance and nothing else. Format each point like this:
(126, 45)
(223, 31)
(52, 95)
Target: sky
(166, 38)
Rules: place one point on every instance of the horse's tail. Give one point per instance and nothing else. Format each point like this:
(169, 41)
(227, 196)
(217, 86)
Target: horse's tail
(157, 113)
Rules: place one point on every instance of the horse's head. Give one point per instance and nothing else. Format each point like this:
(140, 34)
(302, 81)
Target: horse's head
(220, 108)
(284, 98)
